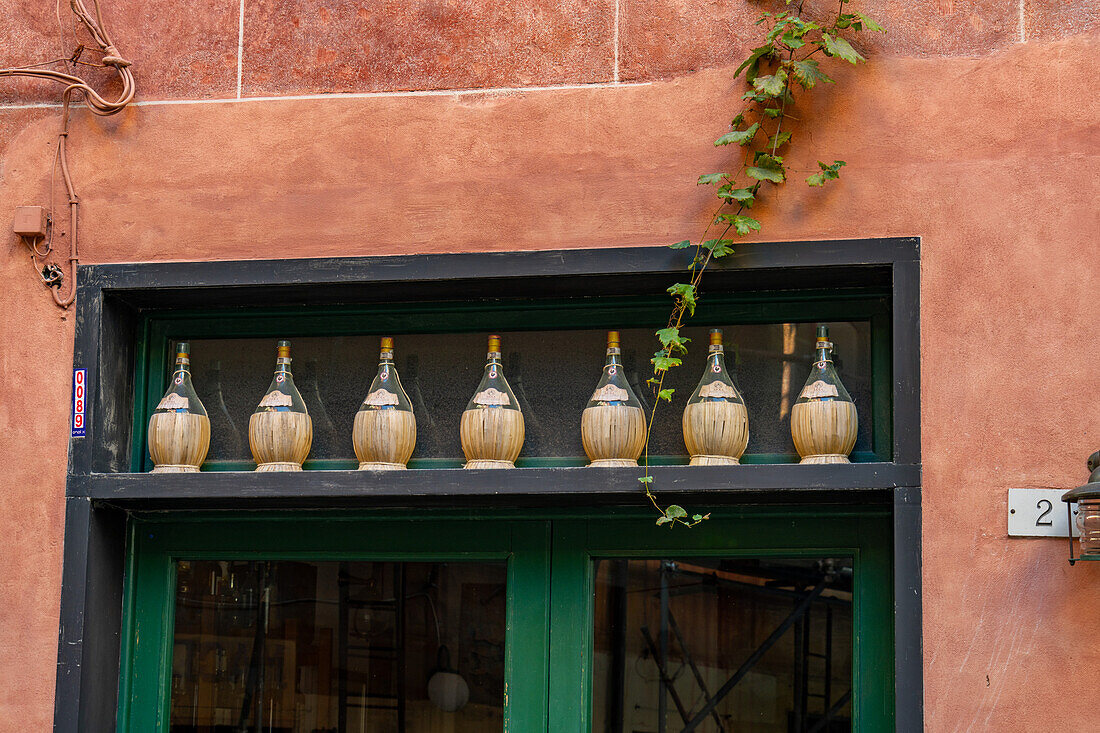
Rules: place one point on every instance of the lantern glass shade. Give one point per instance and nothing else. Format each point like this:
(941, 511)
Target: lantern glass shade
(448, 691)
(1088, 522)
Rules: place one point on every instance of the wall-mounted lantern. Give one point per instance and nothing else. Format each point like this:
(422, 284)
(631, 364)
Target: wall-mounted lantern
(1087, 498)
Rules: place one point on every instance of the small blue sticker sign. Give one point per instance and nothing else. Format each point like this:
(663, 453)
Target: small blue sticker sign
(80, 393)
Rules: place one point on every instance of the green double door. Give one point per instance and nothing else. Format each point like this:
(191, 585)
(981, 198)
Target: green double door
(760, 619)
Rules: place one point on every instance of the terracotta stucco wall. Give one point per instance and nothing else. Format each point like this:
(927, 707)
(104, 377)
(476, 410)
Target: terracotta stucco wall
(344, 128)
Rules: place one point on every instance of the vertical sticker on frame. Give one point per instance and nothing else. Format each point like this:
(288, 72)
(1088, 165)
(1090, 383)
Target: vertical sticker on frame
(80, 393)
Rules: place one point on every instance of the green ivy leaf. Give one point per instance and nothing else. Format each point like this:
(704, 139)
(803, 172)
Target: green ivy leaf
(745, 224)
(765, 159)
(772, 85)
(665, 394)
(645, 480)
(738, 120)
(741, 137)
(719, 247)
(751, 65)
(808, 73)
(686, 294)
(664, 363)
(776, 29)
(773, 112)
(697, 517)
(681, 245)
(799, 28)
(709, 178)
(779, 140)
(767, 168)
(827, 173)
(764, 174)
(869, 24)
(663, 520)
(743, 196)
(671, 339)
(675, 511)
(793, 40)
(840, 48)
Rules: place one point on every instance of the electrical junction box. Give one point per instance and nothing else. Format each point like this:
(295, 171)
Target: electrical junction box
(30, 221)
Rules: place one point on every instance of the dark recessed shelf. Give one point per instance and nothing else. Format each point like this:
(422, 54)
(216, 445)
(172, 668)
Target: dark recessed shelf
(247, 489)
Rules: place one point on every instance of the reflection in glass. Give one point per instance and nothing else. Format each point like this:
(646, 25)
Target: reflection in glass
(360, 647)
(713, 645)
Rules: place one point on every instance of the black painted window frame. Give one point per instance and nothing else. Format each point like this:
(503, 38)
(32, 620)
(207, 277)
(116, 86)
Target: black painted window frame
(114, 298)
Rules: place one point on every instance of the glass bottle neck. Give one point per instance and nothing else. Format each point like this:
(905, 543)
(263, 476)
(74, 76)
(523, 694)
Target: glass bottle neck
(613, 357)
(282, 365)
(385, 358)
(824, 354)
(183, 365)
(493, 357)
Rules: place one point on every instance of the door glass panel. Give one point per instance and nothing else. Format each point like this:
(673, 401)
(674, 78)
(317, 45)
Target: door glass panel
(361, 647)
(713, 644)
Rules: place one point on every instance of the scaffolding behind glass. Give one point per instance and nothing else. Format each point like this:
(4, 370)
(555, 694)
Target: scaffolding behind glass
(719, 645)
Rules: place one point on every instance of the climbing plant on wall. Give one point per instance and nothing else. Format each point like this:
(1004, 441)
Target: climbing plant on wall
(788, 63)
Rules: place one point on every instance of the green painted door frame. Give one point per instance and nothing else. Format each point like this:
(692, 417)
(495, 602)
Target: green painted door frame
(548, 644)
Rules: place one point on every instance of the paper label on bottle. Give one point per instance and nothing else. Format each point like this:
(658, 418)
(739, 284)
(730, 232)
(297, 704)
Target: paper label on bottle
(380, 397)
(276, 399)
(819, 389)
(610, 393)
(491, 397)
(173, 401)
(717, 389)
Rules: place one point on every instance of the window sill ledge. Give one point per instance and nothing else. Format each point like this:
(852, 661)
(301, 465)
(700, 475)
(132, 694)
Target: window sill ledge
(245, 489)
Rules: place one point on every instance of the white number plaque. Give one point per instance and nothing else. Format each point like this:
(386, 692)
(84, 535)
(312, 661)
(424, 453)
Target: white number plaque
(1038, 513)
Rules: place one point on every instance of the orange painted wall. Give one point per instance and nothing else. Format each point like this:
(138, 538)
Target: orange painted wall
(384, 128)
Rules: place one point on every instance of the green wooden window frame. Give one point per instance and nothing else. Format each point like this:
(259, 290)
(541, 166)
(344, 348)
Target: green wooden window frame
(160, 328)
(548, 645)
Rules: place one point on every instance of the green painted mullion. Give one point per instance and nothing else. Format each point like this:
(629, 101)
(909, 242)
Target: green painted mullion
(882, 387)
(148, 670)
(141, 389)
(127, 642)
(873, 688)
(152, 363)
(570, 652)
(526, 668)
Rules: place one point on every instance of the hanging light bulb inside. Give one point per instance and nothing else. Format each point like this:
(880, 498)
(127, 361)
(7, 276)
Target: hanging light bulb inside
(447, 689)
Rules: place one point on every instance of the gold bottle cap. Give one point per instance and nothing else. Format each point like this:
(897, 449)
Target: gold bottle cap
(612, 339)
(183, 350)
(494, 344)
(387, 343)
(284, 349)
(715, 337)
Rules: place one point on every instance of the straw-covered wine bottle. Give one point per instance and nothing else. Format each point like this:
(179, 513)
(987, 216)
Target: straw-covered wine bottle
(613, 423)
(823, 419)
(716, 424)
(280, 431)
(491, 427)
(179, 429)
(384, 433)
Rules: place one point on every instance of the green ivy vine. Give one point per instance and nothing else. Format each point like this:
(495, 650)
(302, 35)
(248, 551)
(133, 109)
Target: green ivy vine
(784, 63)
